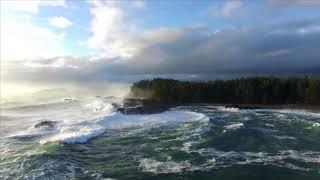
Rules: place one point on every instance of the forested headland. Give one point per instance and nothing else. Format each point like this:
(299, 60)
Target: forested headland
(252, 90)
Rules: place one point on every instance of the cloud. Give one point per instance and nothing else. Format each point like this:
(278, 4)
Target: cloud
(117, 37)
(31, 6)
(106, 28)
(191, 53)
(60, 22)
(296, 2)
(139, 4)
(59, 62)
(127, 53)
(22, 36)
(281, 52)
(229, 9)
(22, 39)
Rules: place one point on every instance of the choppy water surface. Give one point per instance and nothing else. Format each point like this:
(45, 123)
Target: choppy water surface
(91, 141)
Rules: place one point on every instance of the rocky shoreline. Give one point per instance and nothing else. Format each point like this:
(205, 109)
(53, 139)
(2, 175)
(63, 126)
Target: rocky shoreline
(309, 108)
(132, 106)
(143, 106)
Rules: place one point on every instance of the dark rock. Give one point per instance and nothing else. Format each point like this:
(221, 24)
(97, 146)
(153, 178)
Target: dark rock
(45, 123)
(240, 106)
(246, 106)
(116, 105)
(142, 106)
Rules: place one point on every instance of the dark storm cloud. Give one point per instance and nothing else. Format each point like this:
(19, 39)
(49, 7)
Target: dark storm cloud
(286, 49)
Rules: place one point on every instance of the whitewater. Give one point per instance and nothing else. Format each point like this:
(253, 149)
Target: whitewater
(88, 139)
(77, 122)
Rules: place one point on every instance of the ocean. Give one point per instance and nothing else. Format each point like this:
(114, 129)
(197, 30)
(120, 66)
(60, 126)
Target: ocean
(89, 139)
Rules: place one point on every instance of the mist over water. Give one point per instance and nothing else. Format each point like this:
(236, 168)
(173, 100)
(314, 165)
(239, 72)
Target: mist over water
(28, 93)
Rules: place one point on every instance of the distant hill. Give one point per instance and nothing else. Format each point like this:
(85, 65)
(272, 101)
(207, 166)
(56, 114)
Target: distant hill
(253, 90)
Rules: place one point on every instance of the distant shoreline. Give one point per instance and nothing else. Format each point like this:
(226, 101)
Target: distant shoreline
(254, 91)
(308, 108)
(243, 93)
(148, 106)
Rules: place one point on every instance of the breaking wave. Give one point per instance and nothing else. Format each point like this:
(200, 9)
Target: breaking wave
(98, 117)
(183, 139)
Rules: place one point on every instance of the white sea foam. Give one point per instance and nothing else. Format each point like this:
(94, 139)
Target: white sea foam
(187, 145)
(81, 132)
(307, 156)
(289, 111)
(77, 122)
(316, 125)
(229, 158)
(281, 111)
(220, 159)
(234, 126)
(231, 109)
(160, 167)
(285, 137)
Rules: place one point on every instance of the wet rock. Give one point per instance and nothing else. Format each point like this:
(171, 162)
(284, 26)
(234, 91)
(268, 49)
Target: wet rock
(116, 105)
(45, 123)
(245, 106)
(142, 106)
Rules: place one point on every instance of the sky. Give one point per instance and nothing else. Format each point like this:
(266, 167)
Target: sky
(84, 43)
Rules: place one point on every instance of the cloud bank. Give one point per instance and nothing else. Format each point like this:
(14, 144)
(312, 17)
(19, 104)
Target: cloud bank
(281, 49)
(60, 22)
(126, 53)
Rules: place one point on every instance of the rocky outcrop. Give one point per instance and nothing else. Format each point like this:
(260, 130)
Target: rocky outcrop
(45, 123)
(142, 106)
(240, 106)
(249, 106)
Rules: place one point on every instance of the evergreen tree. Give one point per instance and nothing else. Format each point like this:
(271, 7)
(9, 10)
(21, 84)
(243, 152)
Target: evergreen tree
(254, 90)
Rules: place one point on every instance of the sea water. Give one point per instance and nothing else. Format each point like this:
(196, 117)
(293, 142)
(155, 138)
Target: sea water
(89, 139)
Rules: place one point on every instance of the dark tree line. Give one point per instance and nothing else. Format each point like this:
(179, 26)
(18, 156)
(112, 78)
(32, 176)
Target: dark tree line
(253, 90)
